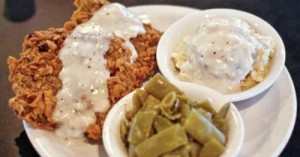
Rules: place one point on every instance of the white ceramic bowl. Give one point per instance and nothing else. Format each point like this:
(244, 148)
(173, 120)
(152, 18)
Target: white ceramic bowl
(111, 131)
(188, 24)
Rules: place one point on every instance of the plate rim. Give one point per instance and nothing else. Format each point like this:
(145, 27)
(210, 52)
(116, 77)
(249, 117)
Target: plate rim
(289, 132)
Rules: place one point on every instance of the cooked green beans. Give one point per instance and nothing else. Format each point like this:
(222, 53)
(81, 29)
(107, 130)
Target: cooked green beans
(195, 149)
(161, 123)
(206, 106)
(143, 95)
(131, 150)
(204, 131)
(162, 142)
(141, 126)
(158, 86)
(212, 148)
(151, 103)
(179, 152)
(164, 122)
(223, 112)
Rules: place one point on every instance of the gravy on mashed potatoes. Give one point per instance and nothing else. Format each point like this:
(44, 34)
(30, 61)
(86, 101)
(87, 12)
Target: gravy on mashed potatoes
(225, 54)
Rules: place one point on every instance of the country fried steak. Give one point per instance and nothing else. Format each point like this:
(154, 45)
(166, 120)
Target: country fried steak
(35, 74)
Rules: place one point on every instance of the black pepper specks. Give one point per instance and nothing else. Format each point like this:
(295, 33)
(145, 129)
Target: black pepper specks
(75, 111)
(205, 67)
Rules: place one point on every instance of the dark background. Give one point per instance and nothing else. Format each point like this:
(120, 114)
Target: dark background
(284, 15)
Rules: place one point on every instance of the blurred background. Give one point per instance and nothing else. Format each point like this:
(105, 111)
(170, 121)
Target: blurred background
(20, 17)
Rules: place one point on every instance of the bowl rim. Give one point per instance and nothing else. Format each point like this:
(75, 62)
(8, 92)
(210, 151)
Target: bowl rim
(277, 62)
(113, 144)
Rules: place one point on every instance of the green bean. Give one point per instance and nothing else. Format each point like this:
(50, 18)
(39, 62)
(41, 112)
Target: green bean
(212, 149)
(158, 86)
(141, 126)
(162, 142)
(204, 130)
(161, 123)
(206, 106)
(179, 152)
(168, 114)
(169, 100)
(221, 124)
(183, 98)
(195, 149)
(219, 118)
(169, 106)
(131, 150)
(136, 103)
(151, 103)
(142, 94)
(223, 112)
(205, 113)
(184, 109)
(124, 129)
(129, 114)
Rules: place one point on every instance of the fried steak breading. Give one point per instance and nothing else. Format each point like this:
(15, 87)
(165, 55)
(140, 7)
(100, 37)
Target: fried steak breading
(34, 77)
(35, 74)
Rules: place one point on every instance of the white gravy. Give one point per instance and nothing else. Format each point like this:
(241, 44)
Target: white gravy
(84, 74)
(221, 53)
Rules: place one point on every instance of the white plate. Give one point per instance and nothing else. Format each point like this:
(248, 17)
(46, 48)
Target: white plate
(269, 118)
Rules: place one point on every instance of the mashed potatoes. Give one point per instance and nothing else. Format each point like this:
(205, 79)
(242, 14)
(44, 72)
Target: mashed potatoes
(225, 54)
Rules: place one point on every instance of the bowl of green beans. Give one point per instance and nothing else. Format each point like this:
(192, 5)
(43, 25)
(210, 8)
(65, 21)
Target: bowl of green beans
(166, 119)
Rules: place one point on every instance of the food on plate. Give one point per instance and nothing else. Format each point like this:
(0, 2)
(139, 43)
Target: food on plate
(224, 53)
(165, 122)
(67, 79)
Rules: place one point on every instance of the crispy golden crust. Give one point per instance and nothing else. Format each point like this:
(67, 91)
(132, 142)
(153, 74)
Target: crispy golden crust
(34, 77)
(35, 74)
(84, 11)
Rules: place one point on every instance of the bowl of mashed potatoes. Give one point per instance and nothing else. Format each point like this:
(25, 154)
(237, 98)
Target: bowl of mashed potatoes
(233, 52)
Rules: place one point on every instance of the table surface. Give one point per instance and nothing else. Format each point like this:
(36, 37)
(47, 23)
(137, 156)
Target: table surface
(283, 15)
